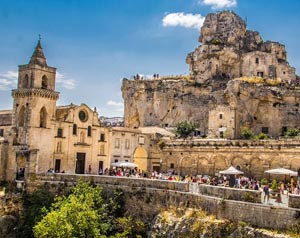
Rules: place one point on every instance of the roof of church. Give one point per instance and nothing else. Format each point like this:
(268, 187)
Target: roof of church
(5, 117)
(62, 111)
(38, 56)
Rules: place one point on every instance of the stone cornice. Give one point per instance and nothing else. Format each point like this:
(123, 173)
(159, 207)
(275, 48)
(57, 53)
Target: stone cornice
(39, 92)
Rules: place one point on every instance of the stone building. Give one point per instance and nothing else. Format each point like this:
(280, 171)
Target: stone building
(233, 72)
(37, 135)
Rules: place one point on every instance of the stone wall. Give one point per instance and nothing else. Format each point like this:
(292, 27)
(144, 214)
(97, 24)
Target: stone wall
(294, 201)
(246, 195)
(208, 157)
(174, 193)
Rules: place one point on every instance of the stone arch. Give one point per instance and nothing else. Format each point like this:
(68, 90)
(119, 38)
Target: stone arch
(43, 117)
(203, 165)
(219, 164)
(294, 164)
(21, 118)
(44, 82)
(242, 164)
(257, 167)
(186, 165)
(275, 163)
(170, 165)
(140, 157)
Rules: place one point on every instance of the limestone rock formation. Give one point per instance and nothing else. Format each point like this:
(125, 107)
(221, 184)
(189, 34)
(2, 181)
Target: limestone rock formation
(236, 80)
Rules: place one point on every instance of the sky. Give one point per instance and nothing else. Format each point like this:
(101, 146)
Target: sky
(94, 44)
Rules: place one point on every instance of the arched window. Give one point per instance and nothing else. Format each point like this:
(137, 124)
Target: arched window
(58, 147)
(44, 82)
(22, 116)
(74, 129)
(26, 81)
(43, 117)
(89, 131)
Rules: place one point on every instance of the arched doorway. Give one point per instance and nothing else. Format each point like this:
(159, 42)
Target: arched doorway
(140, 157)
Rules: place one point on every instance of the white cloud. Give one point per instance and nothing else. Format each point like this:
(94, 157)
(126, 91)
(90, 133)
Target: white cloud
(8, 80)
(65, 82)
(187, 20)
(114, 104)
(217, 4)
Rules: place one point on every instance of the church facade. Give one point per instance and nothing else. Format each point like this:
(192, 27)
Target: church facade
(37, 135)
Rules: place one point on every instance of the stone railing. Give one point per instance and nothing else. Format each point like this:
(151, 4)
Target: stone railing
(215, 191)
(117, 181)
(270, 143)
(237, 194)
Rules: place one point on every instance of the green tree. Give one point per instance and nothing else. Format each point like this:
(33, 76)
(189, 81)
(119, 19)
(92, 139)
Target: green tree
(247, 133)
(82, 214)
(184, 129)
(32, 213)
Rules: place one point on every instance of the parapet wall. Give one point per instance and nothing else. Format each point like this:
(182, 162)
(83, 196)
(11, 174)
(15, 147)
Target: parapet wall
(166, 193)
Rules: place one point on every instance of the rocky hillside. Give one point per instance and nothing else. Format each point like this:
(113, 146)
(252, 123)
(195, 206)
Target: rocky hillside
(233, 72)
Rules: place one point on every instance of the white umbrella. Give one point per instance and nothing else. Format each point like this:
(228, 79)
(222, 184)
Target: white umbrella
(231, 170)
(282, 171)
(124, 164)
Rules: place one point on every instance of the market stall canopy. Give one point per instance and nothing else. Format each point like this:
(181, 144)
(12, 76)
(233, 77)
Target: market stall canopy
(282, 171)
(124, 164)
(231, 170)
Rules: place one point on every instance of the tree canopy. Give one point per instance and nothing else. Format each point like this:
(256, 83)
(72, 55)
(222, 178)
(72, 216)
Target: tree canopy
(184, 129)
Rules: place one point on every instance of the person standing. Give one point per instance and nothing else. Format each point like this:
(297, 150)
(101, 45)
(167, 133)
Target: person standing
(267, 193)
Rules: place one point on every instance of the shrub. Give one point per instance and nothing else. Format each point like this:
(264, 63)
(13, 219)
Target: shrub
(263, 181)
(292, 132)
(247, 133)
(274, 185)
(261, 136)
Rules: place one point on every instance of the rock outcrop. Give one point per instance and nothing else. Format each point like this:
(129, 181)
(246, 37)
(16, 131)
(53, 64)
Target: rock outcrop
(236, 80)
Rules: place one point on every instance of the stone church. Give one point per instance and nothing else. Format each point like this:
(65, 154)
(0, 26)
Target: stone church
(37, 135)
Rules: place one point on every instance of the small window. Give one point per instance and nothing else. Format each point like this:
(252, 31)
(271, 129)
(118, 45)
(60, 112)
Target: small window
(260, 74)
(89, 131)
(265, 130)
(172, 166)
(102, 137)
(283, 72)
(1, 132)
(44, 82)
(221, 116)
(221, 134)
(74, 129)
(59, 132)
(284, 130)
(257, 60)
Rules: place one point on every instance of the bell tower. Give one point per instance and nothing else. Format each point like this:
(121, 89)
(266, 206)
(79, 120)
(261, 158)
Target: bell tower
(34, 99)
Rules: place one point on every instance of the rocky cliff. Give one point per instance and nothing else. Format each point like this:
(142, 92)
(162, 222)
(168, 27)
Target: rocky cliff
(236, 79)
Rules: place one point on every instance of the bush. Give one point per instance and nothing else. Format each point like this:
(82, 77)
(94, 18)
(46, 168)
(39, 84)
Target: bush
(274, 185)
(292, 132)
(261, 136)
(263, 181)
(247, 133)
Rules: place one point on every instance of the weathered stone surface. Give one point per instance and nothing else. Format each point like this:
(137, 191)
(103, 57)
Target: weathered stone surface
(236, 80)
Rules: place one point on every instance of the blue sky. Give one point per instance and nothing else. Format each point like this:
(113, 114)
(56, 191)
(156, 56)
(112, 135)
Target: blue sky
(95, 43)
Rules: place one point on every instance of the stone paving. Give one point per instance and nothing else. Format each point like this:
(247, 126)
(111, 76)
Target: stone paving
(274, 201)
